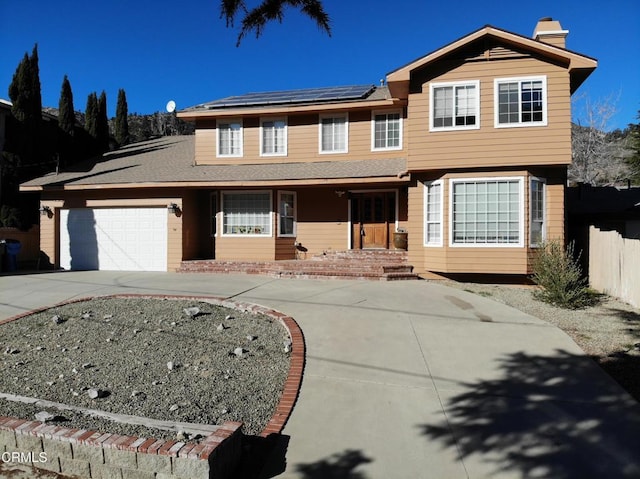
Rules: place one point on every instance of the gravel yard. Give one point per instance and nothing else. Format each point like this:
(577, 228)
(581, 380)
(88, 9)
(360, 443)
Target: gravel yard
(608, 332)
(145, 357)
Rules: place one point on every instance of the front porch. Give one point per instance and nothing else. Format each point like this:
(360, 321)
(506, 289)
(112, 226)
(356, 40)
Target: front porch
(381, 265)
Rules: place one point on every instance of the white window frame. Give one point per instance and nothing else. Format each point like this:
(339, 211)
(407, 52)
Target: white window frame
(346, 133)
(294, 216)
(440, 241)
(262, 132)
(386, 113)
(521, 212)
(543, 182)
(264, 234)
(520, 80)
(219, 129)
(454, 85)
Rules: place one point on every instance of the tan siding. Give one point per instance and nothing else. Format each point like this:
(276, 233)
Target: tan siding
(285, 248)
(245, 248)
(489, 146)
(500, 260)
(49, 231)
(323, 222)
(302, 141)
(415, 250)
(174, 240)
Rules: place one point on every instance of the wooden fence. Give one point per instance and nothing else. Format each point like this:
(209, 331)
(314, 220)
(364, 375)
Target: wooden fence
(614, 265)
(30, 244)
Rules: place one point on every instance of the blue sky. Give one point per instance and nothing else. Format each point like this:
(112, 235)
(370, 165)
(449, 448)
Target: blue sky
(168, 50)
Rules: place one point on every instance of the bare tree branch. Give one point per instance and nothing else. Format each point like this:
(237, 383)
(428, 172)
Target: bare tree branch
(597, 159)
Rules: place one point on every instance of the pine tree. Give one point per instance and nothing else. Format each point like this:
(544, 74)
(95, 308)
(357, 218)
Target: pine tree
(122, 122)
(102, 123)
(91, 115)
(66, 113)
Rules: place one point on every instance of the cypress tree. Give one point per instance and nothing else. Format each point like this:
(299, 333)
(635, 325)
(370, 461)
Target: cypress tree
(20, 90)
(102, 123)
(24, 92)
(66, 113)
(91, 115)
(35, 84)
(122, 122)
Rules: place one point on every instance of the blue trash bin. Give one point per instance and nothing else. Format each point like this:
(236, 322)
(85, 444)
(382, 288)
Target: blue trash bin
(12, 248)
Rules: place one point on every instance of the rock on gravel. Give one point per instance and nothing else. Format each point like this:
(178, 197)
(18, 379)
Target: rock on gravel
(133, 368)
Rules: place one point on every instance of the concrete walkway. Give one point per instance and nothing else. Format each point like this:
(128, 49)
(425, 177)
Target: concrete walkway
(411, 379)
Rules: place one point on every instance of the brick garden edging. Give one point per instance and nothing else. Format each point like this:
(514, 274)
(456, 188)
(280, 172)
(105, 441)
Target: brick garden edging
(94, 454)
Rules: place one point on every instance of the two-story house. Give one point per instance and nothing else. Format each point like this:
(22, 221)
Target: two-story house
(465, 148)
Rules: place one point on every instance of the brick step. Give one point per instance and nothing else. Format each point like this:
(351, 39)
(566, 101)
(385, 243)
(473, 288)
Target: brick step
(375, 265)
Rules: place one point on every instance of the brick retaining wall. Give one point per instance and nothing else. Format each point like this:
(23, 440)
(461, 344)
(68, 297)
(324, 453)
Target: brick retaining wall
(93, 454)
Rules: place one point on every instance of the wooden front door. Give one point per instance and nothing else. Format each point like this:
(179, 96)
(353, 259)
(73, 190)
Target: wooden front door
(372, 215)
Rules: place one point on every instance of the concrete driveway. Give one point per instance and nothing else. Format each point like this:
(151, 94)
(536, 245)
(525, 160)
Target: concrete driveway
(411, 379)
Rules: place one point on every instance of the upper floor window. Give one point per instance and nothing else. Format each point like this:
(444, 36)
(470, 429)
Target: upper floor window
(229, 138)
(455, 106)
(273, 137)
(521, 101)
(334, 136)
(386, 131)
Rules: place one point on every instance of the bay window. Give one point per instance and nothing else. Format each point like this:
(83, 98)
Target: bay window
(486, 212)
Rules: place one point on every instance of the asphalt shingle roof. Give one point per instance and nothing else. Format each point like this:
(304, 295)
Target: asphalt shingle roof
(170, 160)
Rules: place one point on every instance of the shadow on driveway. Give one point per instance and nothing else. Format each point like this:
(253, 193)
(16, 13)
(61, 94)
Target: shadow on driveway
(540, 420)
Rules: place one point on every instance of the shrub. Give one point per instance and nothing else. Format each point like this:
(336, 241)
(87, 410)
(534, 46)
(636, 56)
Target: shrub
(557, 271)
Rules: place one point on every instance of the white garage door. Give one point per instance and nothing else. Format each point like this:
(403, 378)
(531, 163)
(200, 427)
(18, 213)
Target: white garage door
(114, 239)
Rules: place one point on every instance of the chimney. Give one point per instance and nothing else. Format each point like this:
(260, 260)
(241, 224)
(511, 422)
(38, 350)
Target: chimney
(550, 31)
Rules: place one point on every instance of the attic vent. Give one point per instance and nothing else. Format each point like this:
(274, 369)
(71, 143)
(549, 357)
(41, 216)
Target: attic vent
(498, 53)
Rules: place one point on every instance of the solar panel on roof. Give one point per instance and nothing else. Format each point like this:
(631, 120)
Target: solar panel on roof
(349, 92)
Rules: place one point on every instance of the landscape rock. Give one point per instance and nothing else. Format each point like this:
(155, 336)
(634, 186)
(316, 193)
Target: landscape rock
(238, 352)
(192, 312)
(171, 365)
(45, 416)
(94, 393)
(57, 319)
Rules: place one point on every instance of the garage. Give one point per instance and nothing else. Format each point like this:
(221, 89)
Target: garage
(113, 239)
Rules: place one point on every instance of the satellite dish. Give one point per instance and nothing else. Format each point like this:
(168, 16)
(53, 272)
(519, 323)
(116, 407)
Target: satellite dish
(171, 106)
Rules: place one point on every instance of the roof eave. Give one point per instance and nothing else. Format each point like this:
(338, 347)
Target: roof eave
(397, 179)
